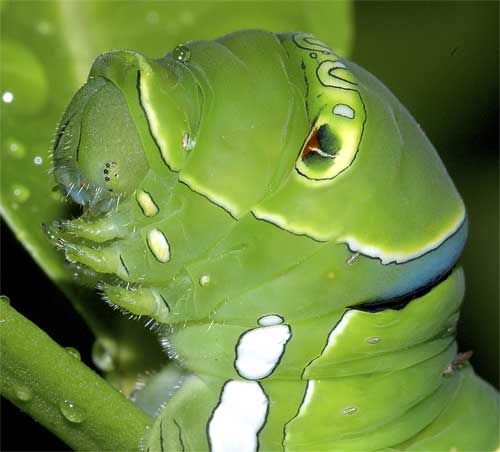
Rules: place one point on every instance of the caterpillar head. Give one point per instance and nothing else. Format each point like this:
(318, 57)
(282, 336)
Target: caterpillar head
(222, 147)
(98, 153)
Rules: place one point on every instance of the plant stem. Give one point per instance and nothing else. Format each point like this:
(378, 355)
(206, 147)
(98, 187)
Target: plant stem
(57, 390)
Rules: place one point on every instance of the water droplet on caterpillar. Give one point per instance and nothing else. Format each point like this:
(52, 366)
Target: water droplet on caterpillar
(14, 148)
(4, 300)
(20, 193)
(102, 357)
(349, 411)
(71, 412)
(204, 280)
(73, 352)
(182, 54)
(23, 393)
(372, 340)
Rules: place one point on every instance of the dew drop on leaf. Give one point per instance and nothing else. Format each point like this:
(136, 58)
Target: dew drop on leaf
(372, 340)
(20, 193)
(73, 352)
(71, 412)
(14, 148)
(4, 300)
(181, 53)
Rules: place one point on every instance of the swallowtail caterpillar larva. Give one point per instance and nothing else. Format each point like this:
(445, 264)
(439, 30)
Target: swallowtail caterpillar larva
(286, 222)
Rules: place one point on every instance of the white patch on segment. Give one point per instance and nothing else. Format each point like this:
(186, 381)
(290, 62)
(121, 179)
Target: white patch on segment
(237, 420)
(259, 350)
(269, 320)
(387, 258)
(159, 245)
(307, 398)
(146, 203)
(340, 327)
(343, 110)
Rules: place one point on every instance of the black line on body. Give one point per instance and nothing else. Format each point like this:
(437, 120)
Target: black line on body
(124, 266)
(161, 436)
(180, 434)
(138, 87)
(296, 414)
(165, 301)
(399, 302)
(60, 132)
(78, 144)
(303, 67)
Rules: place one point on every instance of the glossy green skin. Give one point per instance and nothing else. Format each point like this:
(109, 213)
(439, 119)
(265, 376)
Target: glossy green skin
(208, 198)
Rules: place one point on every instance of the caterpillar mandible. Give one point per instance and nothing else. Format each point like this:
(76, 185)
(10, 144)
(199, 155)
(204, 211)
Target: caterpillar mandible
(284, 218)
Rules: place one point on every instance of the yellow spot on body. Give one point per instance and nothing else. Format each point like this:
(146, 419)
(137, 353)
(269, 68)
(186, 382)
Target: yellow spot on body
(147, 204)
(159, 245)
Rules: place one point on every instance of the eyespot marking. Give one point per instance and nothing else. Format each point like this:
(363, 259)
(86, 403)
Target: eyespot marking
(158, 244)
(343, 110)
(146, 203)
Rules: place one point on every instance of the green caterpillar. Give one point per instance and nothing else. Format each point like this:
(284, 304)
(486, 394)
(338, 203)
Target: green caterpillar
(286, 221)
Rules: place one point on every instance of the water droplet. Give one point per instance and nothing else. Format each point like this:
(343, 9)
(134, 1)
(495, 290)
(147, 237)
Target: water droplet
(352, 259)
(23, 393)
(181, 53)
(38, 160)
(204, 280)
(15, 148)
(102, 357)
(71, 412)
(4, 299)
(7, 97)
(73, 352)
(20, 193)
(349, 411)
(372, 340)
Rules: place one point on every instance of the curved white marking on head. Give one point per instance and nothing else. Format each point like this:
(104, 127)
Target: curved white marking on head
(307, 397)
(269, 320)
(385, 257)
(259, 351)
(237, 420)
(159, 245)
(343, 110)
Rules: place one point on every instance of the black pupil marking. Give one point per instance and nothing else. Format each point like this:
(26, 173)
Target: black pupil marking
(321, 148)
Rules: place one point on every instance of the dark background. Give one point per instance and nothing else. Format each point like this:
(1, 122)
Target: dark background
(441, 61)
